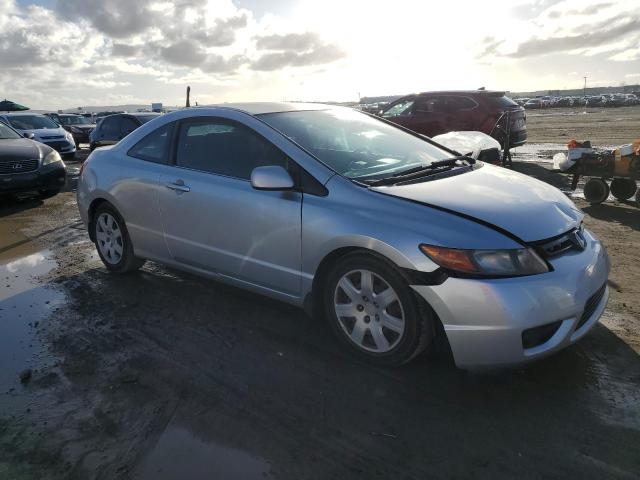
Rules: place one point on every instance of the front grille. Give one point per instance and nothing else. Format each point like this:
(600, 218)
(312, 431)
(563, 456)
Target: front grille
(591, 305)
(58, 145)
(52, 137)
(18, 166)
(573, 239)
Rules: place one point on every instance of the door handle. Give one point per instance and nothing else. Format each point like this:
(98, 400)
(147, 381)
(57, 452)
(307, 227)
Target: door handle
(178, 187)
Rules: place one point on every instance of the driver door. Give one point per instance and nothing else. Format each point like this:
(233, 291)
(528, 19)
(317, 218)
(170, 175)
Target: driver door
(213, 219)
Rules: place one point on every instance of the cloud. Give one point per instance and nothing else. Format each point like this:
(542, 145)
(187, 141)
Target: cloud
(294, 50)
(124, 50)
(116, 18)
(593, 36)
(590, 10)
(629, 55)
(16, 49)
(529, 10)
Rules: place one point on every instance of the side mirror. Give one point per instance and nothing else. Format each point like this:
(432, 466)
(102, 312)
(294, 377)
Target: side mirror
(29, 135)
(271, 178)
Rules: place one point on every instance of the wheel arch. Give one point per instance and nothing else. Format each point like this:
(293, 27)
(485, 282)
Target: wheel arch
(93, 207)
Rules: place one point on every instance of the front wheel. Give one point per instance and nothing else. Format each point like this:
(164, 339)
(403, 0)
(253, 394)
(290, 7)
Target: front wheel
(374, 313)
(113, 242)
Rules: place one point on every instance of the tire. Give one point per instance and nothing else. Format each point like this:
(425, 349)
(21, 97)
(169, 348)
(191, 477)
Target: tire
(638, 198)
(48, 193)
(596, 190)
(623, 188)
(113, 242)
(384, 335)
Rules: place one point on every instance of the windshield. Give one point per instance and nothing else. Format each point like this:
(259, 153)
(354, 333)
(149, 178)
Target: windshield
(7, 133)
(74, 120)
(32, 122)
(354, 144)
(146, 118)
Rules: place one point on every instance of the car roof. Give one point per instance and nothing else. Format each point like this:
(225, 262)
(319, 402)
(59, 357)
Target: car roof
(21, 114)
(258, 108)
(491, 93)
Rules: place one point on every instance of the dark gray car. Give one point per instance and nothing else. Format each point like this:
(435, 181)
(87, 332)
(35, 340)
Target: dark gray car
(26, 165)
(110, 130)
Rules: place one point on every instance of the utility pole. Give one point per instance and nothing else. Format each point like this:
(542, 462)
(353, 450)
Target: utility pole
(188, 102)
(584, 90)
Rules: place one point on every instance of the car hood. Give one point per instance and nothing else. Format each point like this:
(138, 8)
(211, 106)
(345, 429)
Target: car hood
(83, 127)
(18, 149)
(47, 132)
(523, 206)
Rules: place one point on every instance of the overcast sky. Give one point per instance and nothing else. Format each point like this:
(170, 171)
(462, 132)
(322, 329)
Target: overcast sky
(67, 53)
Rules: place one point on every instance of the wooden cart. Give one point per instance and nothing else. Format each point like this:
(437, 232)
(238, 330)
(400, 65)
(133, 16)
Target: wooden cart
(603, 167)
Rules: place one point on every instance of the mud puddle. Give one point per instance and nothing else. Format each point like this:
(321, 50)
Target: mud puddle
(181, 454)
(24, 308)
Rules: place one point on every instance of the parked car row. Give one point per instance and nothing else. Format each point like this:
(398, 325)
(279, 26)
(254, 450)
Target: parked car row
(42, 129)
(607, 100)
(78, 125)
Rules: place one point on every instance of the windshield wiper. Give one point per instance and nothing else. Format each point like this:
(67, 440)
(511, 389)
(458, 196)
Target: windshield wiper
(422, 170)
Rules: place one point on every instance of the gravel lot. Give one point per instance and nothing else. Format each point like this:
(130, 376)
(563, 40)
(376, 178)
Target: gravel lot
(162, 375)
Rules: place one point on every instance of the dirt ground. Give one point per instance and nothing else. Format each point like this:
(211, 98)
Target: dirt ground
(603, 126)
(162, 375)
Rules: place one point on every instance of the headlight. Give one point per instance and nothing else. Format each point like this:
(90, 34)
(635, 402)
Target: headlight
(51, 157)
(69, 137)
(516, 262)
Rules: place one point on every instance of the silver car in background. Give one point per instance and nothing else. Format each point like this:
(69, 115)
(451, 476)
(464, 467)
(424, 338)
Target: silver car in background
(389, 236)
(42, 129)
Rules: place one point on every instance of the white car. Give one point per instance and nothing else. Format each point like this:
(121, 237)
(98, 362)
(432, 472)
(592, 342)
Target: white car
(42, 129)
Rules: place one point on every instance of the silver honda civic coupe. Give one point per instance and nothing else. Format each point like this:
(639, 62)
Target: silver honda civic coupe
(390, 237)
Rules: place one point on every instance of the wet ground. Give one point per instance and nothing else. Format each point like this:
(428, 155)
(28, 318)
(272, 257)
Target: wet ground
(163, 375)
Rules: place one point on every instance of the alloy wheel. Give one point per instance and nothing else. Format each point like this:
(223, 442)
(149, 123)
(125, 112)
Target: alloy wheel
(369, 311)
(109, 238)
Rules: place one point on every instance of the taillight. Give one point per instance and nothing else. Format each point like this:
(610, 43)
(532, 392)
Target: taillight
(82, 168)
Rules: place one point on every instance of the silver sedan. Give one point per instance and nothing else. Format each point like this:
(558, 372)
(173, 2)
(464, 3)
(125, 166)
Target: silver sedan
(390, 237)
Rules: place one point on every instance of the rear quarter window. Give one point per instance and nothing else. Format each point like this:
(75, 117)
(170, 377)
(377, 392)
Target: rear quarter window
(501, 102)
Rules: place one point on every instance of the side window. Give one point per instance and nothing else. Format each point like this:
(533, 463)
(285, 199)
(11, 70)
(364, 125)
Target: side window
(155, 146)
(226, 148)
(430, 105)
(110, 127)
(455, 104)
(127, 125)
(401, 108)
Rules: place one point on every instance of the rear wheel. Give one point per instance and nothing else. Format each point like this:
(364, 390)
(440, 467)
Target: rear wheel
(623, 188)
(113, 242)
(374, 312)
(596, 190)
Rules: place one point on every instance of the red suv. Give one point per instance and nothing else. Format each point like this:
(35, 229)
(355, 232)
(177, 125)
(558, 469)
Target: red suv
(433, 113)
